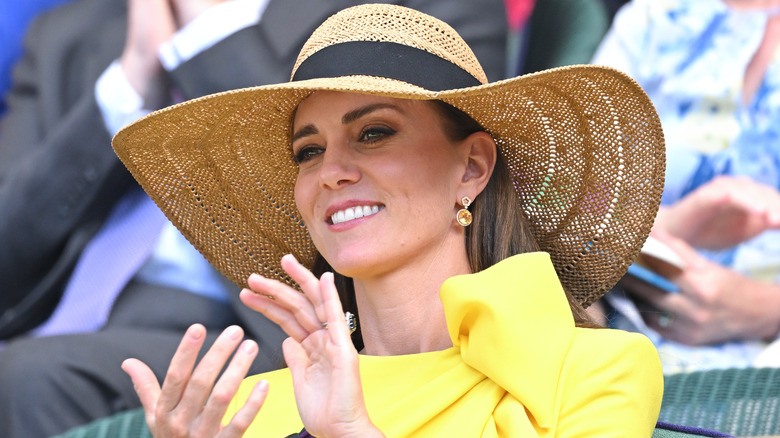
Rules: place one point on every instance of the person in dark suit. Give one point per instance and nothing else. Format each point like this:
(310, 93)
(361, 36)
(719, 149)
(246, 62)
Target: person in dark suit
(60, 181)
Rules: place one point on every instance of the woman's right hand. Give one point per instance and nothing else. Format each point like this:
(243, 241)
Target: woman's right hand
(190, 403)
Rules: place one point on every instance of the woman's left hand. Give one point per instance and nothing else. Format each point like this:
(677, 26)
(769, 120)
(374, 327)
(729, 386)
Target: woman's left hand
(319, 352)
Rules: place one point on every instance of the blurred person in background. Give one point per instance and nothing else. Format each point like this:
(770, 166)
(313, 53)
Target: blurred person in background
(712, 68)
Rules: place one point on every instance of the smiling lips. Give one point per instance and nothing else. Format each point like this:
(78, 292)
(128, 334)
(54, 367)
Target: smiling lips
(351, 213)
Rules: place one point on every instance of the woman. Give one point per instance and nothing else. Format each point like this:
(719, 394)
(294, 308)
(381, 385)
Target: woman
(711, 69)
(400, 188)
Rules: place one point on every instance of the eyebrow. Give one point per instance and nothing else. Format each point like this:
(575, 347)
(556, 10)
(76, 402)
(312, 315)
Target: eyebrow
(347, 118)
(304, 132)
(360, 112)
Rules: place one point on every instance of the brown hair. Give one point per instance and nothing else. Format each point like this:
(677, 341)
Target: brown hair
(499, 230)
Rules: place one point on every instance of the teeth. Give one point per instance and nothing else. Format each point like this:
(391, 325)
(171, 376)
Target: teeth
(349, 214)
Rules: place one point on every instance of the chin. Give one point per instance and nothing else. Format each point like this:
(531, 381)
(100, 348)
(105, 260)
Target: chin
(350, 268)
(355, 264)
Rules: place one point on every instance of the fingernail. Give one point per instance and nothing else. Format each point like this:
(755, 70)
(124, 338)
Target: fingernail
(290, 257)
(233, 332)
(195, 332)
(261, 386)
(249, 347)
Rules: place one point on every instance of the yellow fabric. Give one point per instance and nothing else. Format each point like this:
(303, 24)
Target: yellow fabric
(518, 368)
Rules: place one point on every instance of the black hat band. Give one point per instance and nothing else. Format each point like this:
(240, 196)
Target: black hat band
(388, 60)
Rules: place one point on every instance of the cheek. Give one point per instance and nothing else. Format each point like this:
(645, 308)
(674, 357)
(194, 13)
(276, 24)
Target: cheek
(304, 198)
(434, 171)
(430, 191)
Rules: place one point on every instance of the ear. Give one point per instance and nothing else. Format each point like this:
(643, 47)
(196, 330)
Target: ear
(480, 152)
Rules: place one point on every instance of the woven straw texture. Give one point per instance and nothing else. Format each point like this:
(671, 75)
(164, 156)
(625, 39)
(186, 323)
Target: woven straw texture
(740, 402)
(584, 145)
(388, 23)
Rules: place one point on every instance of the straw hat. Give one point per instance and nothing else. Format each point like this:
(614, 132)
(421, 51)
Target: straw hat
(583, 143)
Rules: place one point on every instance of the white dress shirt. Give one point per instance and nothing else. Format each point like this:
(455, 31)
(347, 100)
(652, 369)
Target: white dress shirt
(174, 262)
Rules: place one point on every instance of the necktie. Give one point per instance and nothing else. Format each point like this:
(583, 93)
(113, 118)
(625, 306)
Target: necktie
(107, 263)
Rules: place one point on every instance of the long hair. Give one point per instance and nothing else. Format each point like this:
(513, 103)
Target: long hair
(499, 229)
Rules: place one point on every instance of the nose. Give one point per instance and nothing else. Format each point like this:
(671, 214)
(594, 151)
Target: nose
(338, 167)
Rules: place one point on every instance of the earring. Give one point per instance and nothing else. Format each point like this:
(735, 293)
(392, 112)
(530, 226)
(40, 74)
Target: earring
(464, 215)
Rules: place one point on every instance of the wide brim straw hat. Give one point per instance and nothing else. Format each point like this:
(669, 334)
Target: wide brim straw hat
(583, 144)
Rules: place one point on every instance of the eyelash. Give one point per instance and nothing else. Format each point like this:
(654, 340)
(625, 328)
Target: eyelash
(302, 156)
(306, 154)
(382, 130)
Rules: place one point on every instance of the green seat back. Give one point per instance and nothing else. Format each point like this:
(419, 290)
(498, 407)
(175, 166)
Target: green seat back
(740, 402)
(129, 424)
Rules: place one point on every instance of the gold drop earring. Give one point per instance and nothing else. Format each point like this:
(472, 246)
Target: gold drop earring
(464, 215)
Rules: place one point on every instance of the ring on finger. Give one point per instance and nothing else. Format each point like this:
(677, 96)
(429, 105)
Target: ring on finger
(351, 322)
(665, 320)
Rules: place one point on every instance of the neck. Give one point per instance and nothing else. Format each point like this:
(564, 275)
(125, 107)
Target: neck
(757, 67)
(401, 312)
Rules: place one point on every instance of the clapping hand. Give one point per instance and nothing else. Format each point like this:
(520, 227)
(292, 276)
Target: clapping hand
(190, 404)
(187, 10)
(150, 23)
(319, 353)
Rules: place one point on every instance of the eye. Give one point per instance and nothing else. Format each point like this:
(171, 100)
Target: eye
(306, 153)
(375, 133)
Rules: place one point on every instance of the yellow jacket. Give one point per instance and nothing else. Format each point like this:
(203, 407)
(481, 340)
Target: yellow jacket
(518, 368)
